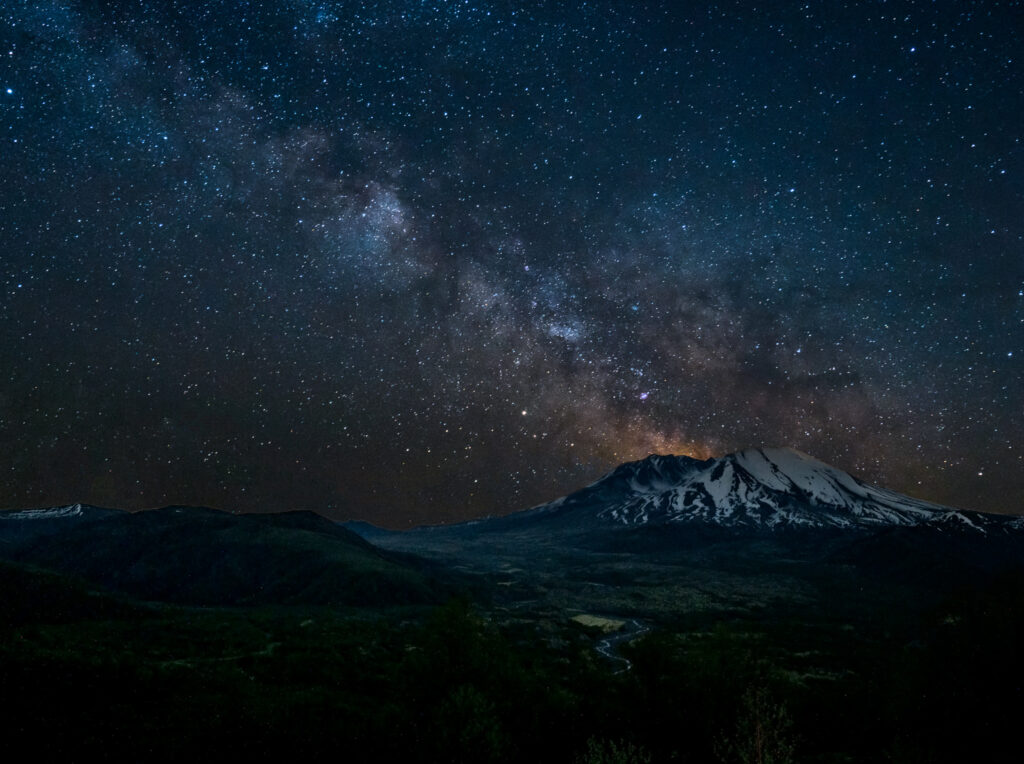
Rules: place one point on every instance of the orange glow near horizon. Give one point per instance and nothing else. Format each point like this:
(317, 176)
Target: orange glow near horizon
(632, 440)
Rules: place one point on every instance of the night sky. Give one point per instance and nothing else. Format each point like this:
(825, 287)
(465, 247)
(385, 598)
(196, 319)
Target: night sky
(424, 261)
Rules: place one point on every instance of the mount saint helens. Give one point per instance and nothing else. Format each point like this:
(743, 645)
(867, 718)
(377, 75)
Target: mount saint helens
(757, 488)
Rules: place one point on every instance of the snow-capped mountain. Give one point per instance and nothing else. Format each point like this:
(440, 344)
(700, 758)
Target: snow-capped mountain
(46, 513)
(758, 488)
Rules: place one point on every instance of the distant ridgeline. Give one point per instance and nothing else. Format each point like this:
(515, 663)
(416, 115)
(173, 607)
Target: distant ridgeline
(204, 556)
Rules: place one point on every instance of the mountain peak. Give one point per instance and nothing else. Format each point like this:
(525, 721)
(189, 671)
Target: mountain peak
(754, 488)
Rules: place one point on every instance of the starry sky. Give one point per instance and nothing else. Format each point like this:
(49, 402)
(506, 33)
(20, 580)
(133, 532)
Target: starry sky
(424, 261)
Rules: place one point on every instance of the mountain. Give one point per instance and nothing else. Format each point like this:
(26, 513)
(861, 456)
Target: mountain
(761, 528)
(770, 488)
(201, 556)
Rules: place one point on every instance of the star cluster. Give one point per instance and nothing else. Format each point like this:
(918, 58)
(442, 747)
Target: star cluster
(424, 261)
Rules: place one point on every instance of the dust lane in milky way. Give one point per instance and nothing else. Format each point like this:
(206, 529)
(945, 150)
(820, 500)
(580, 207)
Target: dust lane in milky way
(419, 262)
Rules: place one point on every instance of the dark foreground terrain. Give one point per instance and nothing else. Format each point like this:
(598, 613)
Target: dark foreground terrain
(724, 648)
(88, 674)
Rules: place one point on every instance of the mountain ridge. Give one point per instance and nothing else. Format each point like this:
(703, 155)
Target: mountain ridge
(209, 557)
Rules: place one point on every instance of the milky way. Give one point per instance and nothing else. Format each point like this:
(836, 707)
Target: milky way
(424, 261)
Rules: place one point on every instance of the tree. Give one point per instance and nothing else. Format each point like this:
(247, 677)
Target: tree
(762, 733)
